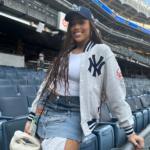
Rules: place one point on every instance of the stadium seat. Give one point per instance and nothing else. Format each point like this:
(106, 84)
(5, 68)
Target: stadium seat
(105, 133)
(8, 90)
(13, 106)
(137, 114)
(26, 77)
(145, 112)
(9, 128)
(128, 90)
(26, 90)
(21, 73)
(135, 123)
(37, 87)
(1, 138)
(13, 77)
(19, 82)
(145, 104)
(5, 82)
(31, 98)
(89, 143)
(105, 119)
(8, 71)
(33, 82)
(3, 76)
(37, 78)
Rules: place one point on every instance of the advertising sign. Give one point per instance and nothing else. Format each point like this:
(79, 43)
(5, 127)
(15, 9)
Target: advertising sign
(62, 24)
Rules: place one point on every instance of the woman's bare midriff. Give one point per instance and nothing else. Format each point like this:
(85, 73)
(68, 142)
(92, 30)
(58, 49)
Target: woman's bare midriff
(53, 91)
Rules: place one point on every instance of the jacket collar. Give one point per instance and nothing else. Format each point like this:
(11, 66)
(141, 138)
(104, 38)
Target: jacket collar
(88, 46)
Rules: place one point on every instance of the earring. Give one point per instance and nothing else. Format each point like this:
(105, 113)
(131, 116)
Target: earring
(91, 33)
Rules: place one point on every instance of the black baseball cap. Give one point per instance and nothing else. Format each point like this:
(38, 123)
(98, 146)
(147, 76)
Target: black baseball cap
(81, 10)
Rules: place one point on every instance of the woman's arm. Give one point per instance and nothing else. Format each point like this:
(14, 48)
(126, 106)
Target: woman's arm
(115, 90)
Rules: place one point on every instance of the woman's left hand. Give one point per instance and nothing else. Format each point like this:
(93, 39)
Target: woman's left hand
(137, 141)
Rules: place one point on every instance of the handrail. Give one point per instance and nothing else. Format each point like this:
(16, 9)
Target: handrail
(144, 134)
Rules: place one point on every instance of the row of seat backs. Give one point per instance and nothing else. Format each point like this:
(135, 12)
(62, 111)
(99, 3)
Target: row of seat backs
(115, 139)
(13, 90)
(96, 141)
(11, 76)
(20, 82)
(11, 72)
(140, 110)
(133, 92)
(22, 73)
(109, 131)
(16, 106)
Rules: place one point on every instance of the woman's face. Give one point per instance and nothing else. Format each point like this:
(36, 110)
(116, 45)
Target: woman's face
(80, 28)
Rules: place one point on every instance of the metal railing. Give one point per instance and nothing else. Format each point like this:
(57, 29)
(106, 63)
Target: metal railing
(144, 134)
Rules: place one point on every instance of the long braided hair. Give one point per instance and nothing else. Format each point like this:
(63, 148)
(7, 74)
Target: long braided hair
(59, 71)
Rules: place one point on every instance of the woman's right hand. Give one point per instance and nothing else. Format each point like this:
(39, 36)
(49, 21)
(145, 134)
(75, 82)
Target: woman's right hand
(27, 127)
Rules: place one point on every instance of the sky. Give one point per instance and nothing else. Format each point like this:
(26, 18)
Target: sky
(146, 1)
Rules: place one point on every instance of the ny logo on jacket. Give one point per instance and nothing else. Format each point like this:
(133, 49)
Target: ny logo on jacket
(96, 66)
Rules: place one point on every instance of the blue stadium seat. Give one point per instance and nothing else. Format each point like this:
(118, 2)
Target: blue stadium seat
(147, 98)
(21, 73)
(8, 70)
(26, 90)
(33, 82)
(135, 123)
(13, 77)
(2, 71)
(128, 90)
(37, 78)
(13, 106)
(105, 133)
(31, 98)
(10, 73)
(3, 76)
(139, 118)
(5, 82)
(145, 112)
(8, 90)
(37, 87)
(9, 128)
(1, 138)
(26, 77)
(145, 104)
(19, 82)
(105, 119)
(89, 143)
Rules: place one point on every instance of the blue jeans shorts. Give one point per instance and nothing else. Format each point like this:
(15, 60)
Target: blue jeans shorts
(61, 118)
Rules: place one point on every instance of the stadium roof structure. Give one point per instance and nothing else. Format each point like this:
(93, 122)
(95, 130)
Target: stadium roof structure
(132, 9)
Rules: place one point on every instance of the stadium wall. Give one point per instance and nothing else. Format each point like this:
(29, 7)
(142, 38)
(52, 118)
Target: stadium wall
(12, 60)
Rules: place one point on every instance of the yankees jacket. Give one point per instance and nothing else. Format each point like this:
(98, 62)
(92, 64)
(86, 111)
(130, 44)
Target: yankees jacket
(99, 70)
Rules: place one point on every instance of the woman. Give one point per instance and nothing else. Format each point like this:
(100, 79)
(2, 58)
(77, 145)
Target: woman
(83, 68)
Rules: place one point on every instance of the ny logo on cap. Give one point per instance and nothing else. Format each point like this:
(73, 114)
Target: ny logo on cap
(76, 8)
(96, 66)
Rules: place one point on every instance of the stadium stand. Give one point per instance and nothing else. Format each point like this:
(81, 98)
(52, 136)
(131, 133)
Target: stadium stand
(19, 85)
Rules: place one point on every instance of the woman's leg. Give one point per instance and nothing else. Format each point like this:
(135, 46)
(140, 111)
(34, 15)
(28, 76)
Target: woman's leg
(62, 143)
(72, 145)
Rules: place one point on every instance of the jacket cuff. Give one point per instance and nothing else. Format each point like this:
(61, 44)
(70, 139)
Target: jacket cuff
(30, 117)
(129, 131)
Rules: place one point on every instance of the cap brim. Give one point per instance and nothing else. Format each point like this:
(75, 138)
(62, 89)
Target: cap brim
(69, 15)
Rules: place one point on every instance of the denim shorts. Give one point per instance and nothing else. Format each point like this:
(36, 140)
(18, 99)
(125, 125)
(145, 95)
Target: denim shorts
(61, 118)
